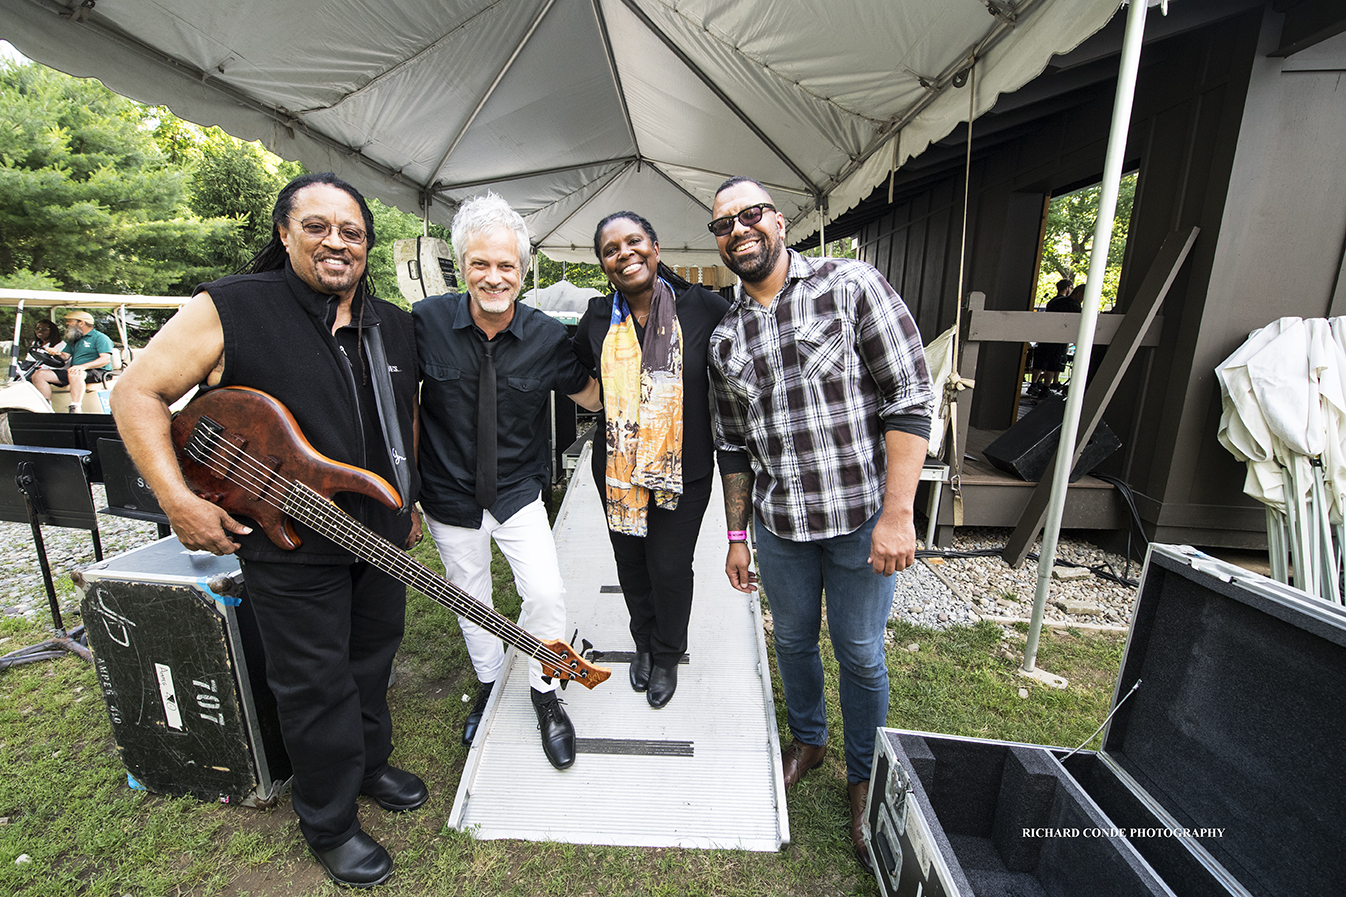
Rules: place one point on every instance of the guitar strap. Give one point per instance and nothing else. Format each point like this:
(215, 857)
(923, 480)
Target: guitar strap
(387, 407)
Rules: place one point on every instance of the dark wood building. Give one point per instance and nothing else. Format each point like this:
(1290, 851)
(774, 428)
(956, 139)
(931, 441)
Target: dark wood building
(1238, 128)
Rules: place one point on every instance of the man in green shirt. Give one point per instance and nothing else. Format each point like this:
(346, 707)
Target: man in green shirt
(90, 353)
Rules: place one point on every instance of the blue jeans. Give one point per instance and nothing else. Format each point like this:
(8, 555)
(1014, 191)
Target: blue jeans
(796, 576)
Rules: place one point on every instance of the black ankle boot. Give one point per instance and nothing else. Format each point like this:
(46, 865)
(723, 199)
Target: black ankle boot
(640, 670)
(663, 682)
(360, 862)
(397, 790)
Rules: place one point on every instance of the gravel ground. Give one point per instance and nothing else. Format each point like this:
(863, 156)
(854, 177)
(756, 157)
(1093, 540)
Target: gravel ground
(22, 592)
(936, 592)
(943, 592)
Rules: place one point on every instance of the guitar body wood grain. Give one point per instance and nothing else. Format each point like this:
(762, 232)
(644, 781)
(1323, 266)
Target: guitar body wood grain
(282, 449)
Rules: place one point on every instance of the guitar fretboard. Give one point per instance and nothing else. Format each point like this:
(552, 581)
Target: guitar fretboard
(230, 461)
(320, 514)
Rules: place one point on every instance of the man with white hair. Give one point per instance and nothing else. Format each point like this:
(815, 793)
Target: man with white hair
(487, 367)
(90, 354)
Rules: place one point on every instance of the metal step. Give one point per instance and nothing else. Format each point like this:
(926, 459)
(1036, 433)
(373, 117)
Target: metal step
(702, 772)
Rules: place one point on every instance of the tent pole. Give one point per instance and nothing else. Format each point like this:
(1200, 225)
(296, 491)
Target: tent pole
(1093, 292)
(822, 227)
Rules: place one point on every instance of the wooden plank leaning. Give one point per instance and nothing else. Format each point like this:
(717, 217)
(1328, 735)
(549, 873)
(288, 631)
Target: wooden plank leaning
(1100, 389)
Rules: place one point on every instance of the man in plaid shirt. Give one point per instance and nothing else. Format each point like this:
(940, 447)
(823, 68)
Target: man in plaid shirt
(823, 405)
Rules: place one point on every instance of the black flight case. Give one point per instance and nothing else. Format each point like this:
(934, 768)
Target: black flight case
(1222, 772)
(183, 672)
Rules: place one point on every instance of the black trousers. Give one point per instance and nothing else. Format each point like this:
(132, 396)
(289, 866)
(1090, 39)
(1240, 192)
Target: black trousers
(330, 633)
(655, 573)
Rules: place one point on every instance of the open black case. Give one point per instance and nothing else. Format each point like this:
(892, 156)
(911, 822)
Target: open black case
(1223, 773)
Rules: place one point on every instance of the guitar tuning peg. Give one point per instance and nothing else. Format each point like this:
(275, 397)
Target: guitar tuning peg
(564, 683)
(588, 646)
(574, 638)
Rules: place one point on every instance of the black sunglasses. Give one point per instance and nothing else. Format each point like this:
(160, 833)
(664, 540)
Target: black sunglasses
(721, 227)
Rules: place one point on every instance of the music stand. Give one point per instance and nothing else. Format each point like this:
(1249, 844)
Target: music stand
(128, 495)
(74, 431)
(47, 486)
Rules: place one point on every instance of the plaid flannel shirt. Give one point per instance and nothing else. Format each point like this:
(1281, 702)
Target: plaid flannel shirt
(803, 388)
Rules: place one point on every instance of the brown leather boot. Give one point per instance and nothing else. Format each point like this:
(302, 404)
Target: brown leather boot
(859, 792)
(798, 758)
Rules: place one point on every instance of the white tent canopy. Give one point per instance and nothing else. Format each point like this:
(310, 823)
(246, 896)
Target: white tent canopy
(571, 109)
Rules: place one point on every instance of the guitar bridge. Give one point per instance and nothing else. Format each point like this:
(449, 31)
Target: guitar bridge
(203, 446)
(219, 453)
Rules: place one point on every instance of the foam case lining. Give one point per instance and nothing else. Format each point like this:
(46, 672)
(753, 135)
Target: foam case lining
(1219, 774)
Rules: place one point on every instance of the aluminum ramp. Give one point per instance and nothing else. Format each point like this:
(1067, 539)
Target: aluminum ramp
(702, 772)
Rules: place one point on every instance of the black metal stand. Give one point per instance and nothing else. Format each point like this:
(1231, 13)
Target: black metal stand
(128, 495)
(73, 507)
(51, 648)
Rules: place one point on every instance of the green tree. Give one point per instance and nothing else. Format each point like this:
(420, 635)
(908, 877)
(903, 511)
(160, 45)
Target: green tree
(581, 274)
(1069, 239)
(87, 198)
(238, 181)
(836, 249)
(23, 279)
(179, 141)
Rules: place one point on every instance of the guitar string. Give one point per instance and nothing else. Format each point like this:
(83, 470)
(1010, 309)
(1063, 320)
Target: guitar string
(418, 574)
(316, 505)
(326, 511)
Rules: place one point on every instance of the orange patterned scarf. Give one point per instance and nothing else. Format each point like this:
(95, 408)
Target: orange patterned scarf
(642, 399)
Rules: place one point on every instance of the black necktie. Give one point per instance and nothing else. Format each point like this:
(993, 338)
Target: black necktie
(486, 449)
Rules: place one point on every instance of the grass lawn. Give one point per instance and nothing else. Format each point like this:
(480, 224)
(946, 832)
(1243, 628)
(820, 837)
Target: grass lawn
(64, 802)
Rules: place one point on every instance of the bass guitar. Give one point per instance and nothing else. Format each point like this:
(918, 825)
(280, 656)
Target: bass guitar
(242, 450)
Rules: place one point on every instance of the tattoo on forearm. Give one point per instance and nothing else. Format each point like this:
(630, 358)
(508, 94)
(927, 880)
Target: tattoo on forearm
(738, 500)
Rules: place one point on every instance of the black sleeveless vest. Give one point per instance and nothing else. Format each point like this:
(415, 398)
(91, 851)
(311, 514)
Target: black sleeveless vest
(277, 339)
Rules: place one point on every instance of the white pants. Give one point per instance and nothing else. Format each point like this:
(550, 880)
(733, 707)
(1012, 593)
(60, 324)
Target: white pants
(525, 540)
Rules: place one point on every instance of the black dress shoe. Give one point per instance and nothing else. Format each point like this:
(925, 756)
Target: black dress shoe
(558, 734)
(397, 790)
(359, 863)
(478, 708)
(640, 670)
(663, 682)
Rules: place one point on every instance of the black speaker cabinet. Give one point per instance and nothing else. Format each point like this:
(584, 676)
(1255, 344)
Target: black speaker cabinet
(1219, 775)
(183, 673)
(1026, 448)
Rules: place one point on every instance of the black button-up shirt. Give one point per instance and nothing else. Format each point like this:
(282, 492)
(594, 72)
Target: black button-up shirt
(533, 356)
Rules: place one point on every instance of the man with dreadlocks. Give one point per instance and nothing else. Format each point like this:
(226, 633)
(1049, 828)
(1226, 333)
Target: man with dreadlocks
(301, 323)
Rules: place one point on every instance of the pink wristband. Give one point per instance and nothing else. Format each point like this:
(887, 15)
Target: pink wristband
(738, 535)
